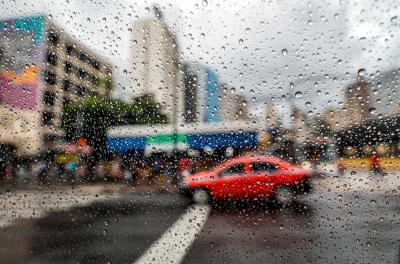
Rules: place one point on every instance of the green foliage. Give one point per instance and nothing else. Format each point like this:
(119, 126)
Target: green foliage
(91, 116)
(103, 81)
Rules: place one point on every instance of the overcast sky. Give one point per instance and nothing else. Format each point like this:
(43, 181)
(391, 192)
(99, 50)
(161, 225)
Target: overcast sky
(259, 47)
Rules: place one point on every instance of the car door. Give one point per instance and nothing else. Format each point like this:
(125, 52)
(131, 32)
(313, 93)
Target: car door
(229, 181)
(262, 179)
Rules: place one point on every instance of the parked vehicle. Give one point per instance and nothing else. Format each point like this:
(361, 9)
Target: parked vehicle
(248, 177)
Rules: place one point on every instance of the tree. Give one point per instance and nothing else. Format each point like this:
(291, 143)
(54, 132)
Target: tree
(105, 81)
(93, 115)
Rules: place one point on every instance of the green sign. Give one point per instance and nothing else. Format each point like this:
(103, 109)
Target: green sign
(166, 139)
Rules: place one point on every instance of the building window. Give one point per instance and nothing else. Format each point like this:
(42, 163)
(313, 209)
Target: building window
(50, 77)
(53, 38)
(47, 118)
(65, 101)
(82, 56)
(82, 73)
(69, 49)
(52, 57)
(67, 67)
(80, 90)
(67, 85)
(49, 98)
(95, 64)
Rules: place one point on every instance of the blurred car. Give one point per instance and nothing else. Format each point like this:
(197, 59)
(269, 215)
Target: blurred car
(248, 177)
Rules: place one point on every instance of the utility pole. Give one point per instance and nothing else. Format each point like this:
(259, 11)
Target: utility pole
(175, 116)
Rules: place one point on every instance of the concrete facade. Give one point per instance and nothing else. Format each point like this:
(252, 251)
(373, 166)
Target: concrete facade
(354, 110)
(156, 63)
(35, 85)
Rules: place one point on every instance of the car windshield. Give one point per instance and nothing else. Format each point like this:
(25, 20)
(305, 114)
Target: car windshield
(199, 131)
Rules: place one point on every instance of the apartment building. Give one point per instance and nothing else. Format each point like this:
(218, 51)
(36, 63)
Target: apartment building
(42, 68)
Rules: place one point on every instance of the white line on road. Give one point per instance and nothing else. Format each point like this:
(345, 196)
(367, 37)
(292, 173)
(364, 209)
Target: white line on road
(176, 241)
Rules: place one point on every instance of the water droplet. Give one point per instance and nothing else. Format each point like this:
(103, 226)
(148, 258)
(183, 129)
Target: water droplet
(247, 30)
(202, 35)
(393, 19)
(372, 110)
(298, 94)
(284, 52)
(233, 90)
(204, 3)
(240, 41)
(241, 88)
(362, 72)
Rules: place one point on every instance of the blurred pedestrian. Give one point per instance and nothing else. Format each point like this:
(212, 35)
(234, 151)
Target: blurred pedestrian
(41, 169)
(8, 173)
(374, 163)
(116, 170)
(127, 176)
(70, 168)
(340, 166)
(22, 173)
(183, 169)
(156, 169)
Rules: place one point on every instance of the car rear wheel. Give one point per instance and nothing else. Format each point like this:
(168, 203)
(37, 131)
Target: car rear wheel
(284, 195)
(200, 196)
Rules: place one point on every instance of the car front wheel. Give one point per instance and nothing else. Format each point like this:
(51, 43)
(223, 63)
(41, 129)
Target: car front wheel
(200, 196)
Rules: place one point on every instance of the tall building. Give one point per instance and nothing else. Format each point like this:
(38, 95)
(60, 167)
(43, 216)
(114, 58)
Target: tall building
(41, 69)
(191, 95)
(156, 61)
(227, 103)
(355, 108)
(233, 107)
(271, 118)
(201, 93)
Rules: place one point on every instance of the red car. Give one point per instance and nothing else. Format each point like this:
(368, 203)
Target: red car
(248, 177)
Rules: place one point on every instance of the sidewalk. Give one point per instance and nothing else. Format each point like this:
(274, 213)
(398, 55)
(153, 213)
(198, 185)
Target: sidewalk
(356, 180)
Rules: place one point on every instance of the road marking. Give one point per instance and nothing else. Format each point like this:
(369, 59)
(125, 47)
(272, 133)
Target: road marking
(176, 241)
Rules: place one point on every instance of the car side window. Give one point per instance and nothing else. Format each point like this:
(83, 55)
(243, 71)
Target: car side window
(263, 167)
(232, 170)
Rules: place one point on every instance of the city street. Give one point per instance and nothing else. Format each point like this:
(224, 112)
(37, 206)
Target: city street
(347, 219)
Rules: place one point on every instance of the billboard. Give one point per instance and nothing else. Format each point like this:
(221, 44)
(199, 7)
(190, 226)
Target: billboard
(20, 58)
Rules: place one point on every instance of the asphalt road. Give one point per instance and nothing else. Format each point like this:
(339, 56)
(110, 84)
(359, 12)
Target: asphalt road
(353, 219)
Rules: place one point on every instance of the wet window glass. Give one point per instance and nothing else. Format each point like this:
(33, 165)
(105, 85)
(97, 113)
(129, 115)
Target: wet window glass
(262, 167)
(236, 169)
(200, 131)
